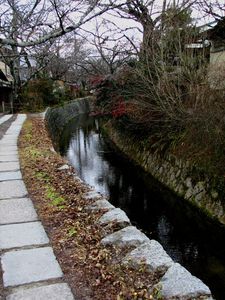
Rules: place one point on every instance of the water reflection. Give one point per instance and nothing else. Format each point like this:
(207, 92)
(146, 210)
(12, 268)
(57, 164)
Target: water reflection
(187, 236)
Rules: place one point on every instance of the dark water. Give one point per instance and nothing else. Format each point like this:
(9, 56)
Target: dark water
(188, 236)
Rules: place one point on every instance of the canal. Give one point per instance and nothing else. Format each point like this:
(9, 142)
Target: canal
(189, 237)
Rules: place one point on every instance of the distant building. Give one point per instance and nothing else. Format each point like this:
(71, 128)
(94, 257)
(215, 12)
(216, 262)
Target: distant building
(216, 36)
(6, 84)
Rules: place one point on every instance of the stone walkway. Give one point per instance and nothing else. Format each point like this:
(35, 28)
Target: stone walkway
(30, 269)
(5, 118)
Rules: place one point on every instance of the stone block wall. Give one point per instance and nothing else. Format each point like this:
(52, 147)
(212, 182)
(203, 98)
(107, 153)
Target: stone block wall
(179, 176)
(58, 117)
(195, 186)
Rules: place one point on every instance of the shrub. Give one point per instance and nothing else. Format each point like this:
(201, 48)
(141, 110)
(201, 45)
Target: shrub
(42, 92)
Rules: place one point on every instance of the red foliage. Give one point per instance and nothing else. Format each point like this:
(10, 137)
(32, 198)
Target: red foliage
(96, 80)
(119, 108)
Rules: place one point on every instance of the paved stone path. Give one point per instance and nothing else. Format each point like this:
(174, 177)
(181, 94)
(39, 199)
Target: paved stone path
(5, 118)
(30, 269)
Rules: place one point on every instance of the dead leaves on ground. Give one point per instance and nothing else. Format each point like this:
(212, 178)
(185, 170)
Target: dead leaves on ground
(93, 272)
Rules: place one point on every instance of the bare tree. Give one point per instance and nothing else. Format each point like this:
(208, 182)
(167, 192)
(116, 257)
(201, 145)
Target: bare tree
(110, 49)
(66, 58)
(152, 18)
(26, 25)
(212, 8)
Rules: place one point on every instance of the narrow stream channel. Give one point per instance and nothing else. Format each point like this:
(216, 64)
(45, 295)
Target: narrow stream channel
(187, 236)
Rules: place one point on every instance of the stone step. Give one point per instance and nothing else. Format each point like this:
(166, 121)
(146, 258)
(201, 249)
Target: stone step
(9, 138)
(5, 118)
(19, 228)
(5, 176)
(9, 158)
(12, 189)
(58, 291)
(9, 166)
(27, 266)
(17, 211)
(4, 151)
(20, 235)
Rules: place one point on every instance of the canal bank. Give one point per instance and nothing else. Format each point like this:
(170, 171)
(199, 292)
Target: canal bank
(189, 182)
(78, 167)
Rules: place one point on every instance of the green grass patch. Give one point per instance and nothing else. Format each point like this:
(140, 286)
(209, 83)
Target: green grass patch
(72, 232)
(28, 137)
(54, 197)
(32, 153)
(43, 176)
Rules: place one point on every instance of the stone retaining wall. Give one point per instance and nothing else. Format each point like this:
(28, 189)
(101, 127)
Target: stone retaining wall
(203, 191)
(58, 117)
(197, 187)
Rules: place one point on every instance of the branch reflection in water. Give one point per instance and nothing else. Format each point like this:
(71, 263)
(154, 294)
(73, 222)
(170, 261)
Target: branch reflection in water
(187, 235)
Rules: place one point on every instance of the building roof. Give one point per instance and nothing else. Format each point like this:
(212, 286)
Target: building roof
(207, 26)
(218, 31)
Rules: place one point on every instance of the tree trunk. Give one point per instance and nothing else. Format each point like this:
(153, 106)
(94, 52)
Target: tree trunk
(15, 67)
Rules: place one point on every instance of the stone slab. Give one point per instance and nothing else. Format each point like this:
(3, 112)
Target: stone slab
(5, 118)
(178, 283)
(9, 158)
(10, 135)
(128, 236)
(16, 175)
(12, 189)
(91, 195)
(11, 131)
(6, 148)
(17, 211)
(26, 266)
(100, 205)
(21, 117)
(15, 131)
(59, 291)
(6, 151)
(15, 126)
(20, 235)
(9, 138)
(9, 166)
(115, 215)
(152, 255)
(7, 143)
